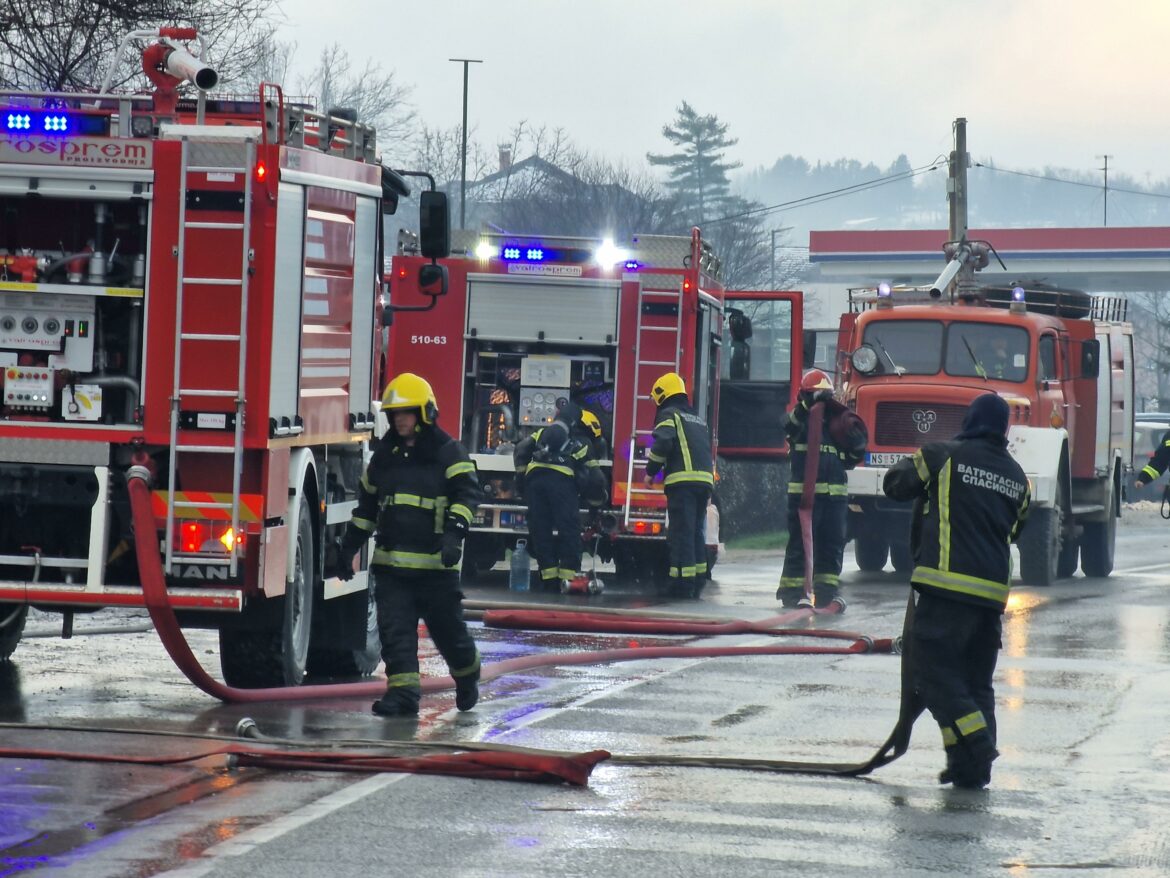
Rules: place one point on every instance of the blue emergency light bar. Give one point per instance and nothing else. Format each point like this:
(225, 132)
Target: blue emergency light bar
(23, 120)
(534, 252)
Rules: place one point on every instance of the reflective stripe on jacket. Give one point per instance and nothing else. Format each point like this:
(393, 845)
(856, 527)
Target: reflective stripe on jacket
(682, 445)
(970, 501)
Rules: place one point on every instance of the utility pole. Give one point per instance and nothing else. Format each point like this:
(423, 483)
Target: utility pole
(463, 155)
(1106, 170)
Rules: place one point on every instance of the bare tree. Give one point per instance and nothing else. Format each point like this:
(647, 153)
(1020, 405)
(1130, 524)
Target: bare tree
(59, 46)
(438, 151)
(376, 95)
(1151, 321)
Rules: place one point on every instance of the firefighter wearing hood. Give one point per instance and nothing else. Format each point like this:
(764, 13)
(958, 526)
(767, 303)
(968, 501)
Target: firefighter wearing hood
(970, 501)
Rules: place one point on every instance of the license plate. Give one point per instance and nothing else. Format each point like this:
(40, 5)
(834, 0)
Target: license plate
(884, 458)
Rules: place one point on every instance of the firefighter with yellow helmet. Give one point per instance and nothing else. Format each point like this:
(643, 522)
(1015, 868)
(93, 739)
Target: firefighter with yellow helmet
(417, 498)
(681, 451)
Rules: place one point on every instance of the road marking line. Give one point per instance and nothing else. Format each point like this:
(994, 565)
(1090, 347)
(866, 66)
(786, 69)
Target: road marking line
(246, 842)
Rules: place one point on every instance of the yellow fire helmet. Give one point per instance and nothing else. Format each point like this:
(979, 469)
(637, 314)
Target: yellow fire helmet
(589, 420)
(409, 391)
(667, 386)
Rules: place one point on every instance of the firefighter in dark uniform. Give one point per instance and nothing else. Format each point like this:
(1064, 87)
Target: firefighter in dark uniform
(1157, 464)
(417, 497)
(970, 501)
(555, 468)
(837, 454)
(682, 452)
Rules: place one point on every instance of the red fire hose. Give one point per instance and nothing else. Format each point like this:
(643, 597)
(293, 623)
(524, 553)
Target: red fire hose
(163, 616)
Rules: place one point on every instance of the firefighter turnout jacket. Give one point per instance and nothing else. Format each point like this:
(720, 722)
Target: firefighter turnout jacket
(1158, 462)
(682, 446)
(970, 501)
(836, 455)
(411, 496)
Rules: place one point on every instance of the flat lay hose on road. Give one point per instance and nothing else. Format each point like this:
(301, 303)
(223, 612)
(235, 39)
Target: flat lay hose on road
(174, 641)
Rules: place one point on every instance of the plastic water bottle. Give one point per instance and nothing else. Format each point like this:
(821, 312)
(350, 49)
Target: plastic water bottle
(518, 579)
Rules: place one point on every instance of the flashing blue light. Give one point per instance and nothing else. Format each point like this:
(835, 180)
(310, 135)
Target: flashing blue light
(883, 289)
(57, 123)
(19, 121)
(1017, 294)
(511, 252)
(534, 254)
(632, 265)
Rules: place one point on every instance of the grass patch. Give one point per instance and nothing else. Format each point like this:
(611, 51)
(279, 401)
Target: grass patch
(776, 539)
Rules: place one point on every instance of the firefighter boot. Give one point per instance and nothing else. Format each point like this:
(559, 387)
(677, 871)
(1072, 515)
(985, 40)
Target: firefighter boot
(971, 767)
(826, 596)
(398, 701)
(789, 596)
(467, 690)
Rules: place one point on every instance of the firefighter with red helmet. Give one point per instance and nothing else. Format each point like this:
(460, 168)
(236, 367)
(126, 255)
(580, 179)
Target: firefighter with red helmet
(417, 498)
(682, 452)
(842, 446)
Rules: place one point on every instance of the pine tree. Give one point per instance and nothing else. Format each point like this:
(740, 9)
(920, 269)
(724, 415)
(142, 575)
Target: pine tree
(698, 171)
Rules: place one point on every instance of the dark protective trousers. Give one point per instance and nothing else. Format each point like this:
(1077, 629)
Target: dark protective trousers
(828, 527)
(403, 598)
(955, 649)
(553, 506)
(686, 505)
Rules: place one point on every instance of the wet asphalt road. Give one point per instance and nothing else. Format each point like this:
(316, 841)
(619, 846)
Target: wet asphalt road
(1082, 787)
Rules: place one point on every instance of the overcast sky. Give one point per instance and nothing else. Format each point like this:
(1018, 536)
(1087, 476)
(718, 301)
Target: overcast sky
(1040, 82)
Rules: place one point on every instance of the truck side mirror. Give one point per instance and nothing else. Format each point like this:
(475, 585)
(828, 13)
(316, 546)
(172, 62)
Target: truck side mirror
(1090, 358)
(808, 360)
(394, 186)
(434, 225)
(432, 279)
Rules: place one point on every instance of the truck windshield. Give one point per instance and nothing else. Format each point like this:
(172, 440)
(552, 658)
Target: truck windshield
(990, 351)
(906, 347)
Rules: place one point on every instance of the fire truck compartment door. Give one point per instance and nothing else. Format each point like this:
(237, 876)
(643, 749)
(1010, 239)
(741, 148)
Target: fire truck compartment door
(565, 310)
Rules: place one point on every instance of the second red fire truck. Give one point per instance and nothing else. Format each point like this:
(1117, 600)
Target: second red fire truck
(529, 322)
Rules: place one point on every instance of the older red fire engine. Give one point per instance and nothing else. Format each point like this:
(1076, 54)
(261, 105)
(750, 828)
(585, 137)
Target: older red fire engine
(189, 284)
(529, 322)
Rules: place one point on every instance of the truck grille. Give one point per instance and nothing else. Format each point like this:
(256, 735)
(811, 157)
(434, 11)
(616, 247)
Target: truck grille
(912, 425)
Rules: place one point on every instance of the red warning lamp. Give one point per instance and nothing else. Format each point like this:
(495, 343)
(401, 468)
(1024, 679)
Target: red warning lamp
(261, 172)
(686, 284)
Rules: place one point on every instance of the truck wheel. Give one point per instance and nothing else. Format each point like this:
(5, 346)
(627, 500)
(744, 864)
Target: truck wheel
(1066, 564)
(1097, 544)
(262, 658)
(871, 551)
(12, 619)
(902, 558)
(351, 662)
(1040, 547)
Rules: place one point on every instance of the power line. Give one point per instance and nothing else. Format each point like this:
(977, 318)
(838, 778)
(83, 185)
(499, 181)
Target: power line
(1050, 179)
(828, 195)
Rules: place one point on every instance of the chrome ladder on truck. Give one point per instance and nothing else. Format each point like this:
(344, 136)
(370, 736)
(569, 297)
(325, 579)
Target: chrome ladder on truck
(643, 333)
(231, 235)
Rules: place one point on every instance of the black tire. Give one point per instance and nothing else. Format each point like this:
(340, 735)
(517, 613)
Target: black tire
(1098, 542)
(351, 662)
(252, 659)
(1066, 562)
(12, 619)
(1040, 547)
(901, 557)
(871, 551)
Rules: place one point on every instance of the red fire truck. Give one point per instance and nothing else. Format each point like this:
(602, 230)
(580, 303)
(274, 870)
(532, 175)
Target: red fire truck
(529, 322)
(188, 284)
(912, 359)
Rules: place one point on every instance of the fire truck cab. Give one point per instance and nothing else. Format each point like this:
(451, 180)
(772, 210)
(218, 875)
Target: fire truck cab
(528, 323)
(188, 284)
(912, 360)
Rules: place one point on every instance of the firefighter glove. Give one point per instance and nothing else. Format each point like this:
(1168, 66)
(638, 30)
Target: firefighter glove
(344, 567)
(452, 549)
